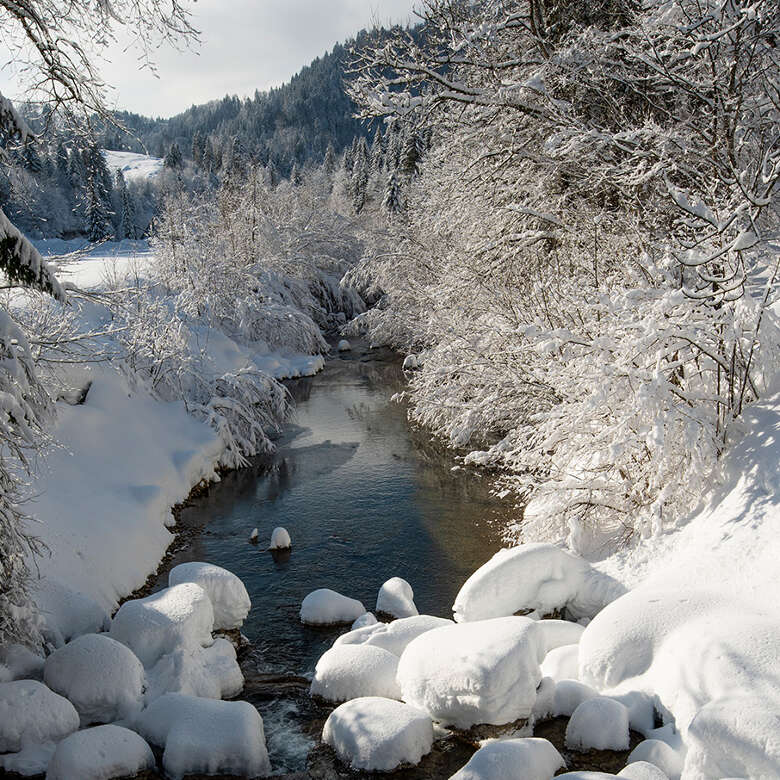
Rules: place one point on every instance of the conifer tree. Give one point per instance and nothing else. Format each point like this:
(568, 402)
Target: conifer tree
(173, 158)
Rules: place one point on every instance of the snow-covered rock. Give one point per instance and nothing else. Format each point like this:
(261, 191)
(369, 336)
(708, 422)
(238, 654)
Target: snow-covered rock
(67, 612)
(530, 758)
(599, 724)
(280, 539)
(562, 663)
(642, 770)
(558, 633)
(660, 754)
(206, 736)
(369, 619)
(473, 673)
(584, 775)
(343, 346)
(539, 577)
(411, 363)
(254, 535)
(393, 637)
(31, 713)
(101, 677)
(350, 671)
(377, 734)
(569, 694)
(396, 598)
(100, 753)
(325, 607)
(641, 710)
(211, 672)
(31, 760)
(174, 618)
(226, 592)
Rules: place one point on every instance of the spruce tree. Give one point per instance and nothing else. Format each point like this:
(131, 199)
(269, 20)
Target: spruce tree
(174, 159)
(392, 201)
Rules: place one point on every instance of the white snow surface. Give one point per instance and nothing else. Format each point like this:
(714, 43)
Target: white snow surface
(134, 166)
(658, 753)
(642, 770)
(472, 673)
(211, 672)
(226, 592)
(171, 619)
(31, 713)
(701, 628)
(377, 734)
(369, 619)
(32, 759)
(598, 724)
(394, 636)
(206, 736)
(351, 671)
(280, 539)
(536, 576)
(325, 607)
(562, 663)
(100, 753)
(396, 598)
(19, 662)
(569, 694)
(530, 758)
(101, 677)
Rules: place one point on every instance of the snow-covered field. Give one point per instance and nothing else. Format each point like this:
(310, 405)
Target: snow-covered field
(134, 166)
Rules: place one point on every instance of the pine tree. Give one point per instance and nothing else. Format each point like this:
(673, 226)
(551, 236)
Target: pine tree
(198, 148)
(392, 201)
(412, 154)
(174, 159)
(330, 162)
(127, 217)
(97, 194)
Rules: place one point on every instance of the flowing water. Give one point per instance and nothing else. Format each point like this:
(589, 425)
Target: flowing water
(365, 497)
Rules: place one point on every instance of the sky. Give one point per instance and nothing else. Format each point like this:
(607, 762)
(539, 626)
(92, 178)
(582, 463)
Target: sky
(245, 45)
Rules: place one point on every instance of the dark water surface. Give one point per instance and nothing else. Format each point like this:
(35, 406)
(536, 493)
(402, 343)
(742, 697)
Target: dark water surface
(364, 498)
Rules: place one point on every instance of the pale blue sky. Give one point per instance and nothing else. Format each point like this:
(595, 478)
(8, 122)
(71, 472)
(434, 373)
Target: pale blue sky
(246, 45)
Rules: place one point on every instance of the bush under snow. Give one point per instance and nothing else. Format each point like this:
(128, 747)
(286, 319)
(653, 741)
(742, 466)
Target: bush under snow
(377, 734)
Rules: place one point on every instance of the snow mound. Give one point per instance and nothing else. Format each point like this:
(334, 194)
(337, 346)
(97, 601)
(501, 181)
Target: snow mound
(253, 536)
(396, 598)
(562, 663)
(598, 724)
(473, 673)
(226, 592)
(641, 710)
(539, 577)
(280, 539)
(30, 760)
(343, 346)
(642, 770)
(393, 637)
(31, 713)
(210, 672)
(584, 775)
(710, 660)
(351, 671)
(325, 607)
(530, 758)
(569, 694)
(68, 613)
(658, 753)
(206, 736)
(411, 363)
(369, 619)
(100, 753)
(18, 662)
(377, 734)
(101, 677)
(558, 633)
(177, 617)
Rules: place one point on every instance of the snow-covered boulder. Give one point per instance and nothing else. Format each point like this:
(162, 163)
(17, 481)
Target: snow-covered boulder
(569, 694)
(18, 662)
(598, 724)
(544, 706)
(473, 673)
(369, 619)
(181, 616)
(539, 577)
(31, 760)
(343, 346)
(641, 710)
(205, 736)
(68, 613)
(226, 592)
(584, 775)
(254, 535)
(280, 539)
(396, 598)
(350, 671)
(325, 607)
(211, 672)
(101, 677)
(100, 753)
(378, 735)
(31, 713)
(393, 637)
(530, 758)
(642, 770)
(558, 633)
(412, 363)
(660, 754)
(562, 663)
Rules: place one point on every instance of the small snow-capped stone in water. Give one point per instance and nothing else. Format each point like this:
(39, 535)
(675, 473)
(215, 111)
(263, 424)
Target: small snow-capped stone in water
(280, 539)
(531, 758)
(343, 346)
(396, 598)
(369, 619)
(411, 362)
(324, 607)
(253, 536)
(598, 724)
